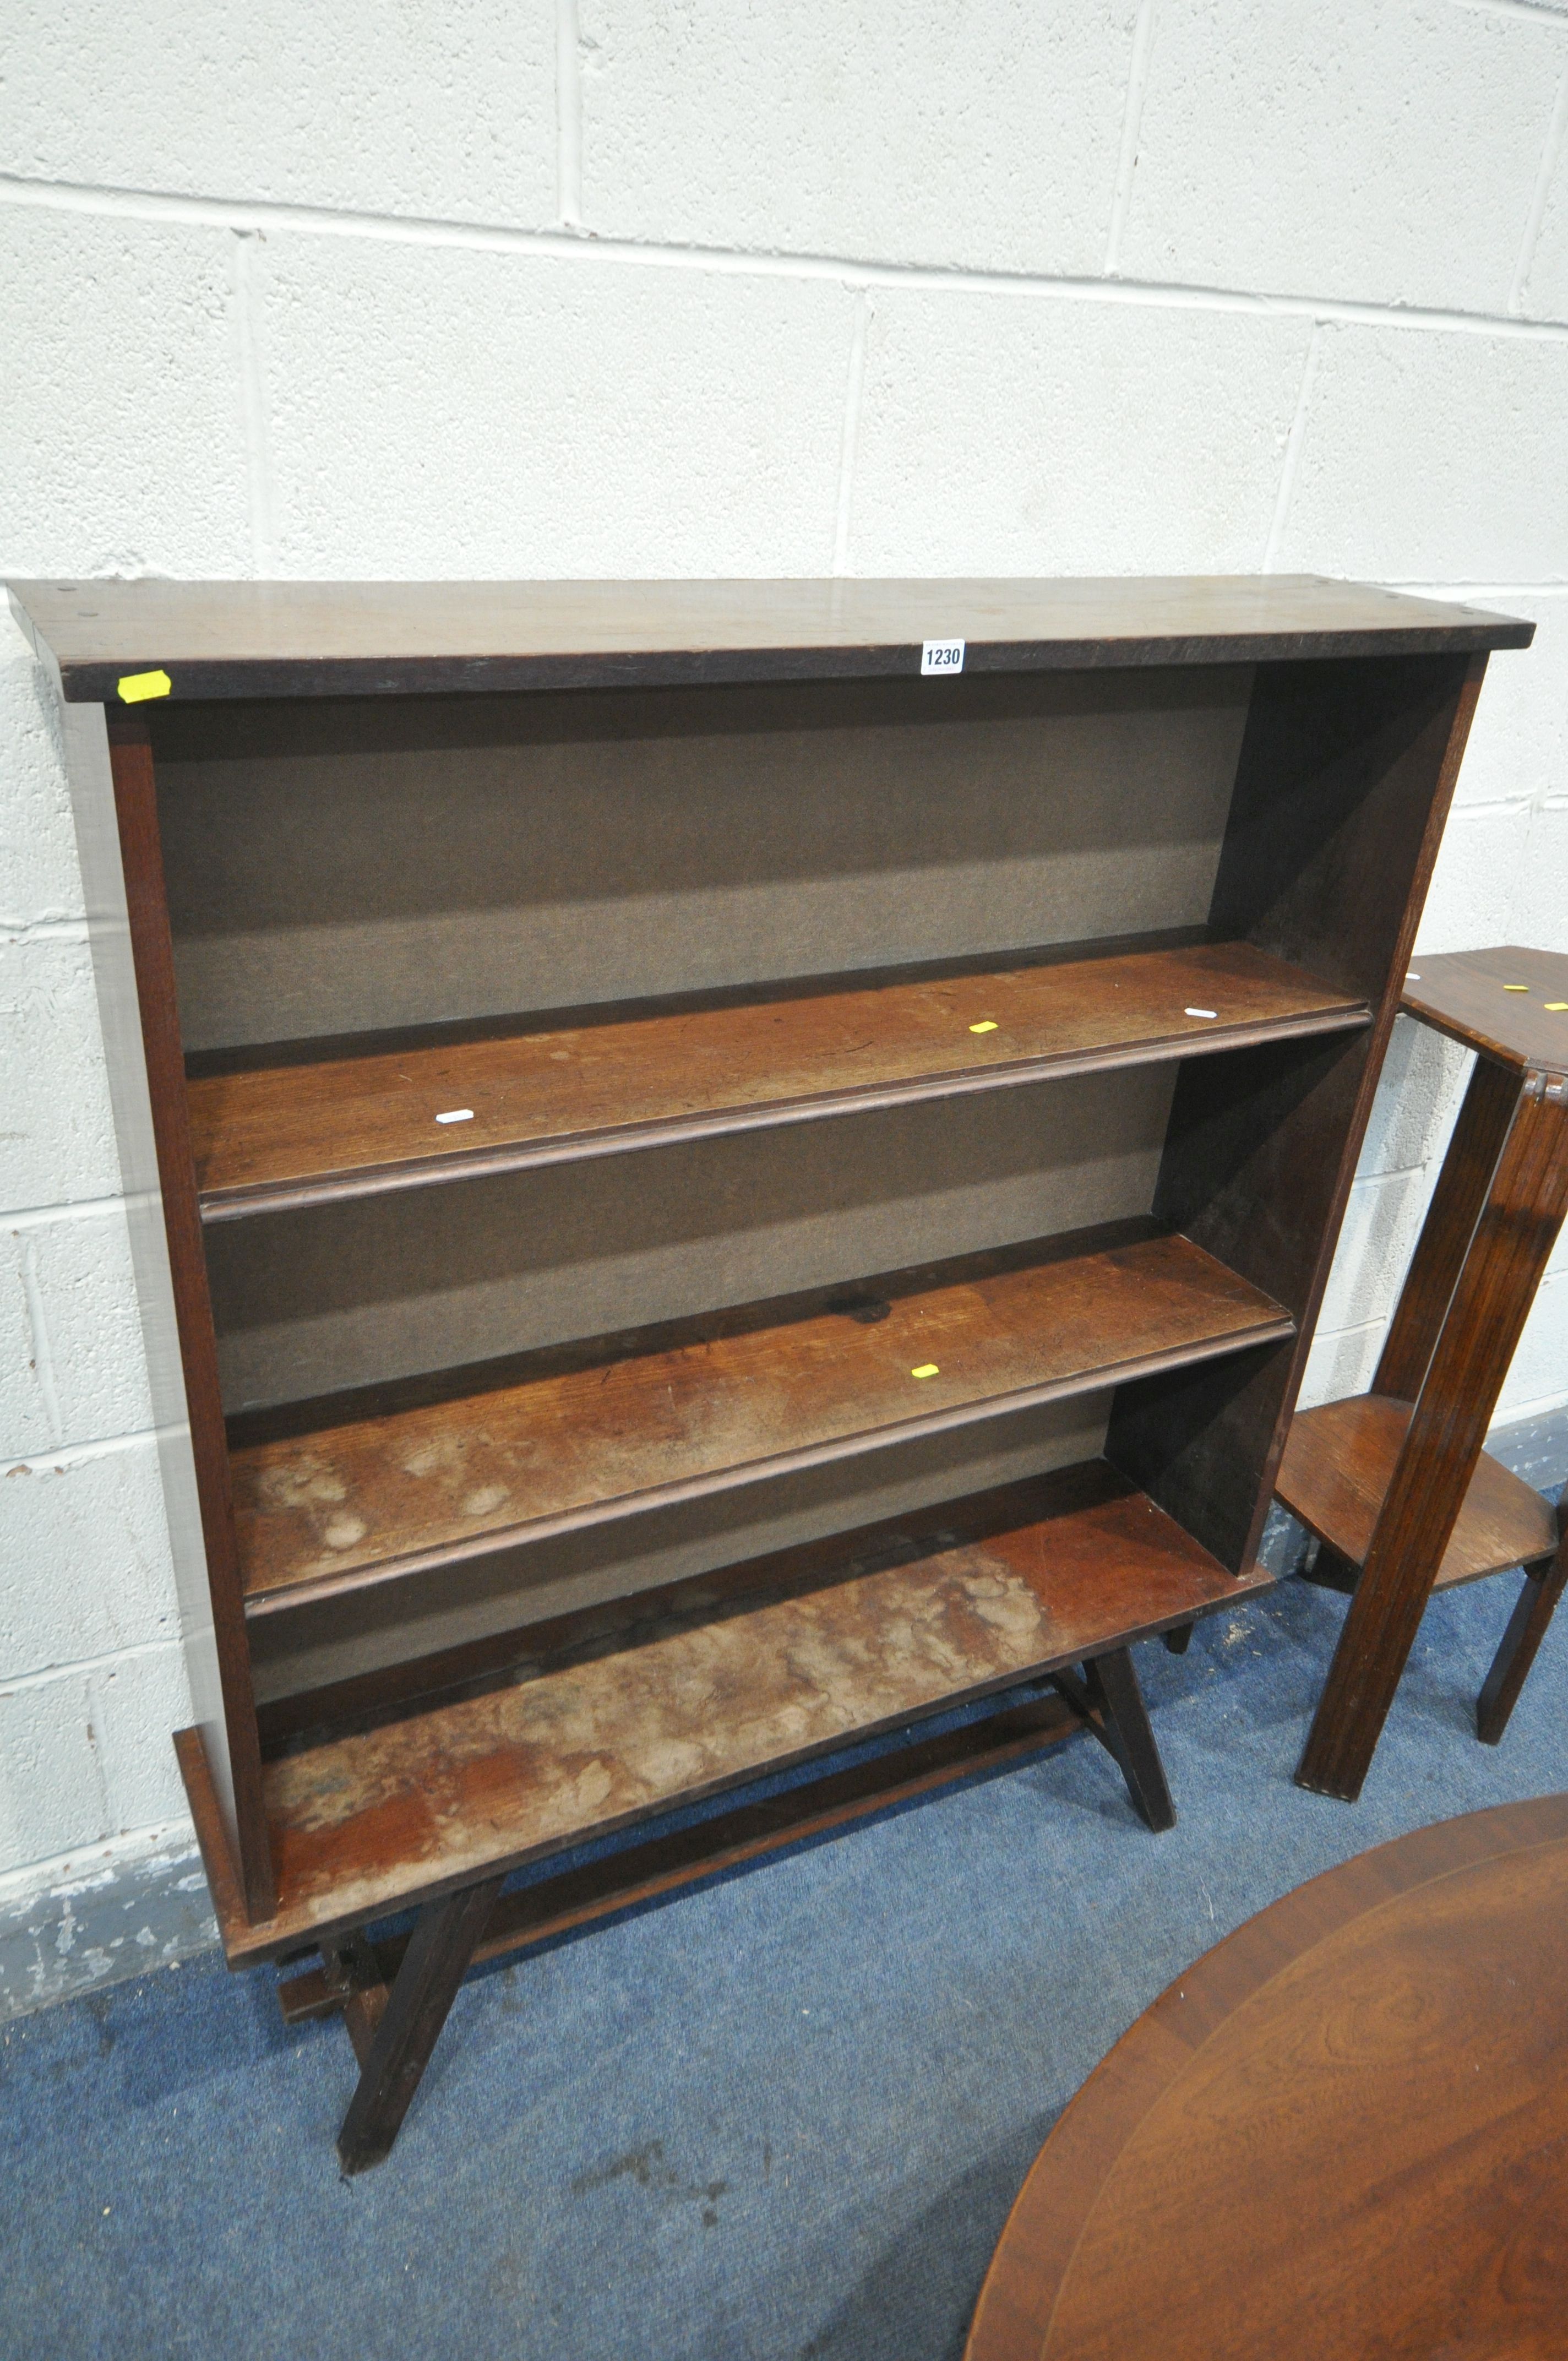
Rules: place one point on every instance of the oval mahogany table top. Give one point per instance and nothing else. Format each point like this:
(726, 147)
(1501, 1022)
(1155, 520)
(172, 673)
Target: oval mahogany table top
(1344, 2133)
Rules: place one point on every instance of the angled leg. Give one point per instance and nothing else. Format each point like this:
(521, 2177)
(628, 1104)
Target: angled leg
(1484, 1319)
(1179, 1638)
(407, 2024)
(1533, 1612)
(1110, 1700)
(1456, 1207)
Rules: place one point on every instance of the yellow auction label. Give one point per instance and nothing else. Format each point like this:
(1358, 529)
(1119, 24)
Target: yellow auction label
(136, 686)
(926, 1369)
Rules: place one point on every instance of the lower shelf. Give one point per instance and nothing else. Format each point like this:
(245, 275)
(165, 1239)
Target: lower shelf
(921, 1614)
(661, 1866)
(1337, 1467)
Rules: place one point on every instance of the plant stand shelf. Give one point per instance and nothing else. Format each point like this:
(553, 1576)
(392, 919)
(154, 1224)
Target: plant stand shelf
(1397, 1484)
(709, 1210)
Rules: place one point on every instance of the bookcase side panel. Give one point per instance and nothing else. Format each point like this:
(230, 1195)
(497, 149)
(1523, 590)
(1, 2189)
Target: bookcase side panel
(1346, 773)
(111, 786)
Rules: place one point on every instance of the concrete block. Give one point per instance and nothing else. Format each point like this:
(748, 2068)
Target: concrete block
(1342, 1362)
(1470, 902)
(1419, 1093)
(1041, 435)
(86, 1295)
(88, 1569)
(1537, 907)
(26, 1423)
(1519, 740)
(122, 438)
(1545, 295)
(1381, 1223)
(39, 879)
(1430, 456)
(982, 135)
(138, 1700)
(57, 1130)
(1386, 155)
(1539, 1378)
(448, 112)
(441, 413)
(51, 1784)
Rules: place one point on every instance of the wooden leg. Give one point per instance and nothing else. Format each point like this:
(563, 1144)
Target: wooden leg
(1533, 1612)
(409, 2021)
(1332, 1571)
(1457, 1204)
(1112, 1703)
(1178, 1641)
(1485, 1320)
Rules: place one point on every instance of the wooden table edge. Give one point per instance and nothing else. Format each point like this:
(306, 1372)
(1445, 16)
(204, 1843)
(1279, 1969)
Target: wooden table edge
(1034, 2253)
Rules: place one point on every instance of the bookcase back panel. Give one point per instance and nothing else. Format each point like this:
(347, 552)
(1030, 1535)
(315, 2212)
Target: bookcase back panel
(375, 1288)
(346, 1638)
(353, 866)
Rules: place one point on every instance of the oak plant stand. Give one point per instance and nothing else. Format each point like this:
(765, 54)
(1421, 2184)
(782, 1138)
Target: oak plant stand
(1395, 1483)
(702, 1196)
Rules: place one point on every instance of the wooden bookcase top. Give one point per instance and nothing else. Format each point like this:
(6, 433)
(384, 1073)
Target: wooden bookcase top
(316, 639)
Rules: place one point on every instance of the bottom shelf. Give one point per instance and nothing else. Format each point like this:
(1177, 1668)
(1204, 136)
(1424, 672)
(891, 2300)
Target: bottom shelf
(798, 1655)
(648, 1869)
(1337, 1467)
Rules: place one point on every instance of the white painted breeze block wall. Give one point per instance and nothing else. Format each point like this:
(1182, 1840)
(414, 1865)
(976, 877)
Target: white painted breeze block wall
(705, 287)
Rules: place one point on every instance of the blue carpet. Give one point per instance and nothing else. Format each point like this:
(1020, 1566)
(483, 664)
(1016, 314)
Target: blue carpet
(783, 2116)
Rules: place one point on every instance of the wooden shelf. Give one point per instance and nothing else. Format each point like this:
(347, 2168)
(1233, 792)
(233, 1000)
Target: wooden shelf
(300, 1134)
(329, 1498)
(1337, 1467)
(1508, 1004)
(809, 1650)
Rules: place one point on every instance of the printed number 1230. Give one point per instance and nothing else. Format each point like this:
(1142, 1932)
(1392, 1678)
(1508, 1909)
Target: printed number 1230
(942, 655)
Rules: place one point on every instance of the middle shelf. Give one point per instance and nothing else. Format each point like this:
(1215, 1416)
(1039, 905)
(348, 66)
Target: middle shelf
(363, 1488)
(278, 1135)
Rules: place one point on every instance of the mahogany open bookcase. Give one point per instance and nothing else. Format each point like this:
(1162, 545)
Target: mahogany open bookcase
(702, 1197)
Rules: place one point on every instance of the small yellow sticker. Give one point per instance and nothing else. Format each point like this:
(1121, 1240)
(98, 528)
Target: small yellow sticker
(1516, 987)
(138, 686)
(926, 1369)
(1555, 1005)
(986, 1025)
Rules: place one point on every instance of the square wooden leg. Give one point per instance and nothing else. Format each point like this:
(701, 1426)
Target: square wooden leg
(407, 2024)
(1533, 1610)
(1112, 1703)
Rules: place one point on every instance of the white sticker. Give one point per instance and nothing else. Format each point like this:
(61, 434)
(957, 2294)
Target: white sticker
(1200, 1011)
(458, 1115)
(942, 655)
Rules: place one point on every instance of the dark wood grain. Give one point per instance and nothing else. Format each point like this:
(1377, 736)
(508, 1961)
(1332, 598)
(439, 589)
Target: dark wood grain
(966, 1598)
(236, 1744)
(1108, 1697)
(1344, 2131)
(1482, 1125)
(303, 639)
(1335, 1474)
(1472, 996)
(589, 1432)
(1343, 786)
(300, 1134)
(1533, 1609)
(1486, 1319)
(408, 2026)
